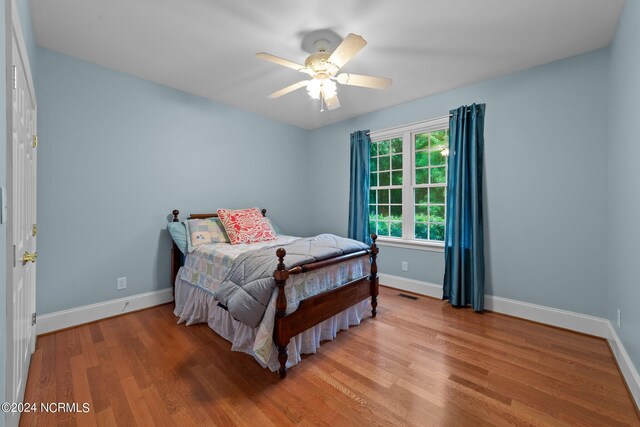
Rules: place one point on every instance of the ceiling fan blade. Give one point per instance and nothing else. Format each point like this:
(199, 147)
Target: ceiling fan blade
(364, 81)
(331, 103)
(288, 89)
(282, 61)
(347, 50)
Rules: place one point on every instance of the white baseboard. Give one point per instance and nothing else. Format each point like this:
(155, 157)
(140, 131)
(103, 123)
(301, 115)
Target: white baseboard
(90, 313)
(583, 323)
(627, 367)
(538, 313)
(410, 285)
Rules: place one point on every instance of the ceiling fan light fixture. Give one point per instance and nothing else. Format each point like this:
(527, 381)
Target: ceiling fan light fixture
(329, 88)
(313, 88)
(316, 87)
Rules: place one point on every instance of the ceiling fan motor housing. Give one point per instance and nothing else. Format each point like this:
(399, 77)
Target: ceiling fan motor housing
(318, 63)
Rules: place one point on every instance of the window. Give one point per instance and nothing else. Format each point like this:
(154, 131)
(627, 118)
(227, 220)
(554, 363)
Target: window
(408, 182)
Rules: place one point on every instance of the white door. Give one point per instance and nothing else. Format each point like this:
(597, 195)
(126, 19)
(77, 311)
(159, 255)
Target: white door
(22, 223)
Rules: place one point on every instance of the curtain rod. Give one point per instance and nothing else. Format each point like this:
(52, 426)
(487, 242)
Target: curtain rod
(411, 124)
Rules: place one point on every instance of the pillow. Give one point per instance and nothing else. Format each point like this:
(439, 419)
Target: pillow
(204, 231)
(178, 233)
(274, 226)
(246, 226)
(218, 235)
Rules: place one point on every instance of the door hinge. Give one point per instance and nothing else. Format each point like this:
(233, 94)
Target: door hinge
(35, 230)
(14, 255)
(35, 141)
(33, 319)
(15, 77)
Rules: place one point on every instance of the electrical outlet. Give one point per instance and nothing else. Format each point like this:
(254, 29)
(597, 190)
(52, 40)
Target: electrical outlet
(619, 318)
(121, 283)
(405, 266)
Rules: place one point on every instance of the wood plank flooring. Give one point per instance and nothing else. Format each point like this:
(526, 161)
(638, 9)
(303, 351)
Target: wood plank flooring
(418, 363)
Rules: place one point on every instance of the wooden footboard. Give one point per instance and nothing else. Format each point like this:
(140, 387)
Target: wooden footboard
(321, 307)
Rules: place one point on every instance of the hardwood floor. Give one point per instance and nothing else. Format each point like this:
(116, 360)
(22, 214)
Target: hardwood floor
(418, 363)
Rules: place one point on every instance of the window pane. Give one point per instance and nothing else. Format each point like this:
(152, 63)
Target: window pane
(383, 228)
(396, 212)
(384, 163)
(373, 149)
(439, 137)
(383, 211)
(396, 229)
(383, 196)
(436, 195)
(438, 175)
(396, 145)
(372, 226)
(396, 161)
(422, 158)
(383, 148)
(422, 140)
(436, 232)
(396, 196)
(422, 176)
(385, 178)
(373, 179)
(373, 165)
(437, 213)
(421, 195)
(372, 211)
(421, 230)
(422, 213)
(372, 197)
(437, 159)
(396, 177)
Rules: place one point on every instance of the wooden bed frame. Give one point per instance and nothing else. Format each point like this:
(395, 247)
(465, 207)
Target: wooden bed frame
(312, 310)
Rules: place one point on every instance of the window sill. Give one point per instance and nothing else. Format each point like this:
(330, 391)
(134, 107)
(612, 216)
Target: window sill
(410, 244)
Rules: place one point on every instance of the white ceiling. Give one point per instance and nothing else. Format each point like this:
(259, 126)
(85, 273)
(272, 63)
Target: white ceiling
(207, 47)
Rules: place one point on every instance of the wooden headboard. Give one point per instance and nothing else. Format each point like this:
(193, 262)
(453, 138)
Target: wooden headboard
(176, 212)
(176, 255)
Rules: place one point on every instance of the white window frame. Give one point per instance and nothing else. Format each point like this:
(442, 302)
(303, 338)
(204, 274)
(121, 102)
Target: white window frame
(407, 133)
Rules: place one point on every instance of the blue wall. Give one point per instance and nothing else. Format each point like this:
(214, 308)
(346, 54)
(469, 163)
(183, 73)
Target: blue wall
(546, 169)
(118, 153)
(624, 149)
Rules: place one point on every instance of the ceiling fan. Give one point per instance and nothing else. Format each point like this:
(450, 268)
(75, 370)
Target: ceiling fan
(323, 66)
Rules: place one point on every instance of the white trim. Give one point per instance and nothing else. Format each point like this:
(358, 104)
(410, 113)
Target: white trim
(538, 313)
(573, 321)
(89, 313)
(425, 125)
(410, 244)
(577, 322)
(410, 285)
(629, 371)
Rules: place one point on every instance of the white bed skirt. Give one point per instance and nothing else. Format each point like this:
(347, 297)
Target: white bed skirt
(195, 305)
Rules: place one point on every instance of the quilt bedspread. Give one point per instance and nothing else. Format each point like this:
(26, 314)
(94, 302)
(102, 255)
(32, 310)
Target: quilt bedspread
(208, 266)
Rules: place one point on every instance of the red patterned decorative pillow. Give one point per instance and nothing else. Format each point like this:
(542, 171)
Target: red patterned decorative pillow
(246, 226)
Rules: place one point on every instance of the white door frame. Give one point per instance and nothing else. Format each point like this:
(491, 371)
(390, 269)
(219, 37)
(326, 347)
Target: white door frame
(13, 29)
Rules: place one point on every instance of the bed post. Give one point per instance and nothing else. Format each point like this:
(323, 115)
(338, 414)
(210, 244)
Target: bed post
(373, 279)
(175, 256)
(282, 340)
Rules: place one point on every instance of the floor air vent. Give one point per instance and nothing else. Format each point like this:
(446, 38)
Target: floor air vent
(408, 296)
